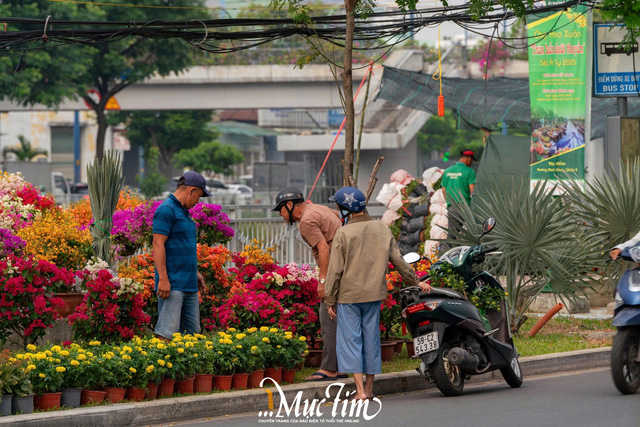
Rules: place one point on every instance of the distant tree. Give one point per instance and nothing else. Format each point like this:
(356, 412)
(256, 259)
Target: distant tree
(210, 157)
(50, 75)
(24, 150)
(153, 183)
(440, 134)
(169, 131)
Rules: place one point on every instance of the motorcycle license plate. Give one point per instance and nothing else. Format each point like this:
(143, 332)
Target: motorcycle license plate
(426, 343)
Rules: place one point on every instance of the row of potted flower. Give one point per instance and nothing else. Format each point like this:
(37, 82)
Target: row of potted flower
(145, 364)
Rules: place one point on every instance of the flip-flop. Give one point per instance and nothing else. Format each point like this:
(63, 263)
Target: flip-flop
(343, 376)
(323, 377)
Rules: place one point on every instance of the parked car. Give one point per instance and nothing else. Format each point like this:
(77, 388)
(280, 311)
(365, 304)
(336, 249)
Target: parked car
(244, 193)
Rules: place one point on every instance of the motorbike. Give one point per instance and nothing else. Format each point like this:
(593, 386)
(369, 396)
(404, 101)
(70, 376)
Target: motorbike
(449, 334)
(625, 352)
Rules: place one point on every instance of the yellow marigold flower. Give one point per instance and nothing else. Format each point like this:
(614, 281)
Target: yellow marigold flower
(56, 348)
(303, 338)
(127, 349)
(306, 352)
(222, 334)
(228, 341)
(254, 349)
(169, 365)
(208, 342)
(89, 354)
(181, 350)
(177, 334)
(240, 336)
(278, 346)
(57, 360)
(161, 346)
(48, 353)
(126, 357)
(167, 356)
(161, 362)
(221, 340)
(31, 347)
(64, 353)
(265, 339)
(81, 357)
(201, 337)
(31, 368)
(74, 363)
(41, 375)
(61, 369)
(94, 343)
(264, 329)
(231, 329)
(273, 330)
(195, 354)
(219, 352)
(108, 357)
(154, 341)
(150, 369)
(227, 337)
(144, 353)
(133, 370)
(177, 339)
(209, 347)
(238, 346)
(288, 337)
(252, 330)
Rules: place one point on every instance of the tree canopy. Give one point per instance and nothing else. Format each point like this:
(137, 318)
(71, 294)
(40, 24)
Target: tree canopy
(210, 157)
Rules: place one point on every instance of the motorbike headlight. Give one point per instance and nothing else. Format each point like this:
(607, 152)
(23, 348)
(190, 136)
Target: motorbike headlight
(617, 299)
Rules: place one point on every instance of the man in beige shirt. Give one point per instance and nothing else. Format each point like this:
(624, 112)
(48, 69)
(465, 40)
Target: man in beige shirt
(356, 284)
(317, 226)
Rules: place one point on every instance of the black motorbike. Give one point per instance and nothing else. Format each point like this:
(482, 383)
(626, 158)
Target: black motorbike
(448, 332)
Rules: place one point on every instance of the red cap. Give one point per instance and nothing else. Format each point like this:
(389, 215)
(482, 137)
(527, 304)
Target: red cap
(468, 153)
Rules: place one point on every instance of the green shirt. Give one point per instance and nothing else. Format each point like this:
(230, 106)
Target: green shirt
(456, 180)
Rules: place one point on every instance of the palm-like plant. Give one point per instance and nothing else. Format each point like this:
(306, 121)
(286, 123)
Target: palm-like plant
(105, 181)
(609, 208)
(24, 151)
(541, 240)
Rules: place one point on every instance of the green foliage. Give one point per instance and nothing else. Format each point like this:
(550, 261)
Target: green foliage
(105, 181)
(51, 75)
(609, 209)
(168, 131)
(153, 183)
(211, 157)
(536, 234)
(24, 150)
(627, 12)
(441, 133)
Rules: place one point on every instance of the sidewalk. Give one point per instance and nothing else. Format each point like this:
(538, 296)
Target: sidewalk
(254, 400)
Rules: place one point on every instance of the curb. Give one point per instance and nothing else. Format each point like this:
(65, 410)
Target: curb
(219, 404)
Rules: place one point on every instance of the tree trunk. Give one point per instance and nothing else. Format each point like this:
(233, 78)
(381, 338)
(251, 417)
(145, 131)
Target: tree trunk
(347, 87)
(102, 130)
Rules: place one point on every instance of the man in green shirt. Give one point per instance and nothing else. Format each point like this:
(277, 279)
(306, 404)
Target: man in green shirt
(458, 182)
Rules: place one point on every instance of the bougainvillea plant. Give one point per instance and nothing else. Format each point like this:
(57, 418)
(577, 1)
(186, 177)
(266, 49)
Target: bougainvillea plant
(27, 300)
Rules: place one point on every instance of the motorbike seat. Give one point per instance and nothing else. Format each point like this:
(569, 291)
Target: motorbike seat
(445, 292)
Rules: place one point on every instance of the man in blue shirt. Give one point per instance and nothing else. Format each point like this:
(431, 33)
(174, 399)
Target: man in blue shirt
(176, 259)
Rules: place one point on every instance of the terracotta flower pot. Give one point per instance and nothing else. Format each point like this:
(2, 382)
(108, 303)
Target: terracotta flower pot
(313, 359)
(203, 383)
(275, 373)
(152, 391)
(71, 301)
(288, 375)
(92, 396)
(136, 394)
(255, 378)
(115, 394)
(165, 389)
(397, 349)
(184, 386)
(47, 401)
(387, 350)
(222, 382)
(317, 344)
(240, 381)
(410, 350)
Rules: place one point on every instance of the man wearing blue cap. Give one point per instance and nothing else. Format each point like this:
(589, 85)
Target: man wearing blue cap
(176, 259)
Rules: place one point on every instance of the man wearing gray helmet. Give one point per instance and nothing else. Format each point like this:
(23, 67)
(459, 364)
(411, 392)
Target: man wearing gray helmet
(317, 226)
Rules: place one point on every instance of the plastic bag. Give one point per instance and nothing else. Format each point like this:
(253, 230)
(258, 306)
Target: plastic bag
(438, 208)
(390, 196)
(431, 176)
(438, 197)
(437, 224)
(389, 217)
(401, 176)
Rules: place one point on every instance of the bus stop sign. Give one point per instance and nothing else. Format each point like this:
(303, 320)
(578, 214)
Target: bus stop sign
(616, 70)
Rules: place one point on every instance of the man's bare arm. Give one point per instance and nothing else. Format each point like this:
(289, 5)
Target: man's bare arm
(324, 253)
(160, 261)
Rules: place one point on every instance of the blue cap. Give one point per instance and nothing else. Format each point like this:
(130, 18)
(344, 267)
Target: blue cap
(194, 179)
(350, 198)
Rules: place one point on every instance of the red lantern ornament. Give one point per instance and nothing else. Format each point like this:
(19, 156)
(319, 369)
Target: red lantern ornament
(441, 106)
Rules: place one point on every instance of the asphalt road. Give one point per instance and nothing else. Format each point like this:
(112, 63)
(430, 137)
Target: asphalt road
(580, 399)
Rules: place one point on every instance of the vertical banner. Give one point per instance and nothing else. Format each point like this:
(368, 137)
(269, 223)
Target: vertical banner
(558, 77)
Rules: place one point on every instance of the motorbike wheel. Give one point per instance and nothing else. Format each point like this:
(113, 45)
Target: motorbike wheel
(624, 367)
(448, 378)
(513, 374)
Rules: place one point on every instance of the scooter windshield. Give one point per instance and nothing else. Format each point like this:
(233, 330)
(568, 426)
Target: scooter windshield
(454, 255)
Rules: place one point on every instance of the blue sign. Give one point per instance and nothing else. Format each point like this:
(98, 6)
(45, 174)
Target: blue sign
(616, 70)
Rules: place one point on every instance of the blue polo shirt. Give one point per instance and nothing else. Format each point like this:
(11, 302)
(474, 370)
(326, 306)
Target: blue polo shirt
(173, 220)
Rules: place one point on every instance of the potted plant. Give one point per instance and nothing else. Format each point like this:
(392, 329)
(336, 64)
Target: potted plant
(204, 364)
(23, 393)
(72, 378)
(255, 357)
(10, 373)
(294, 354)
(240, 361)
(223, 364)
(46, 375)
(117, 363)
(184, 365)
(94, 375)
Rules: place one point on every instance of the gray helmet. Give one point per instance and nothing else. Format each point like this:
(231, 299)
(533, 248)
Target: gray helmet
(288, 194)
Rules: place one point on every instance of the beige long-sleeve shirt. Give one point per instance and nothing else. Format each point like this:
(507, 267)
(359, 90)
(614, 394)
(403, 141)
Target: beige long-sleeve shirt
(360, 255)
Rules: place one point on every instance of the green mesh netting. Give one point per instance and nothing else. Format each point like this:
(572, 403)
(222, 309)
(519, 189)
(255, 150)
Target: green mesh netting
(480, 104)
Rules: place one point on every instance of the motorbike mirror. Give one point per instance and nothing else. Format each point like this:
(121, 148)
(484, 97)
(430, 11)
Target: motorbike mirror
(488, 225)
(411, 257)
